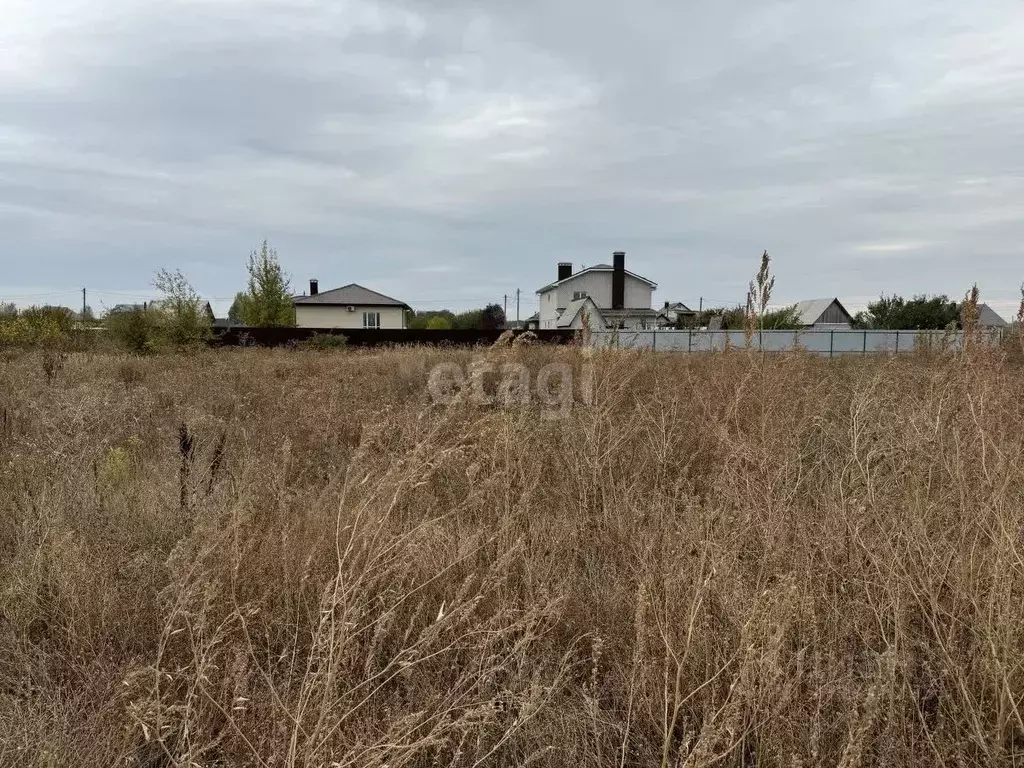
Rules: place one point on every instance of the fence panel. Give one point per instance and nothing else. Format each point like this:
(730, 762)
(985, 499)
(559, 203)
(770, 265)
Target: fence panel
(830, 343)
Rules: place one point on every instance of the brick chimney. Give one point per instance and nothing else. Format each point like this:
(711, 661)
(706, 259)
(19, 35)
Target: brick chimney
(564, 270)
(314, 287)
(619, 280)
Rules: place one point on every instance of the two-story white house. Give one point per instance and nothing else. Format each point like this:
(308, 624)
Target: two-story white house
(621, 299)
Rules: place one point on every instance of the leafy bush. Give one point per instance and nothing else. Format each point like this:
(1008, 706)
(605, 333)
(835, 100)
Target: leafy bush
(185, 323)
(35, 325)
(139, 331)
(439, 323)
(785, 319)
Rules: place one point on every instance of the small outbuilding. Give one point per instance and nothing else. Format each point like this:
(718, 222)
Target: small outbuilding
(827, 313)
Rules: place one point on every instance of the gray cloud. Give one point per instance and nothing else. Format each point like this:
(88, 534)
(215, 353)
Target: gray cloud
(451, 152)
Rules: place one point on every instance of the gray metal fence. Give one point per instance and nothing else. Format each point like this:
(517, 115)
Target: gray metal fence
(825, 342)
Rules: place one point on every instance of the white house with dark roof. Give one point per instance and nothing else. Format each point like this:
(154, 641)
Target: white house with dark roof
(351, 306)
(622, 298)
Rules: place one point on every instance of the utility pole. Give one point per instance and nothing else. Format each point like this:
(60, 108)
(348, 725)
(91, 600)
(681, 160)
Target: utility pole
(701, 304)
(83, 307)
(506, 307)
(517, 305)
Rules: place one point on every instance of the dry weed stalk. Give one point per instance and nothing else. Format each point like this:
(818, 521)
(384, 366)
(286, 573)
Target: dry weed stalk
(759, 295)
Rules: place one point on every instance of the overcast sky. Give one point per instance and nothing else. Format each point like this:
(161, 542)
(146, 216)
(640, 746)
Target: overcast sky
(449, 152)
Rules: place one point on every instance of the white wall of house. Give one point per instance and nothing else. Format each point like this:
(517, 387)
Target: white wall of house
(638, 293)
(549, 309)
(328, 316)
(598, 286)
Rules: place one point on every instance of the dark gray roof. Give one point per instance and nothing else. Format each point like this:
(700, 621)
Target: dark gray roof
(569, 313)
(595, 268)
(351, 294)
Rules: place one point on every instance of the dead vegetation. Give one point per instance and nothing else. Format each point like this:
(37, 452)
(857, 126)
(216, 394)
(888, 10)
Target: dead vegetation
(291, 559)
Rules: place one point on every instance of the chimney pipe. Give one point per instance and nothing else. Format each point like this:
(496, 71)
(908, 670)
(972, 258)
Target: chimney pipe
(564, 270)
(666, 305)
(314, 288)
(619, 280)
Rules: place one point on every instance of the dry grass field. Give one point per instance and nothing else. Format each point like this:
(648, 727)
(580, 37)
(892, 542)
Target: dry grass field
(271, 558)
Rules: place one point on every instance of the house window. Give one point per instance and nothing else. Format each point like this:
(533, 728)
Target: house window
(576, 295)
(371, 319)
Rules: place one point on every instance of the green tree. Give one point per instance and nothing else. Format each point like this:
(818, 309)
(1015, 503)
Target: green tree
(732, 318)
(8, 310)
(183, 311)
(438, 319)
(492, 317)
(236, 315)
(268, 301)
(785, 319)
(920, 312)
(469, 320)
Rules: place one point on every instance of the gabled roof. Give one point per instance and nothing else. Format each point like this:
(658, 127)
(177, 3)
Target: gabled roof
(595, 268)
(575, 307)
(808, 312)
(987, 317)
(350, 295)
(676, 307)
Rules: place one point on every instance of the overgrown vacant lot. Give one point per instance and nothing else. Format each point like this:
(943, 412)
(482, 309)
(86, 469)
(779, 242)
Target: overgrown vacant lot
(721, 560)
